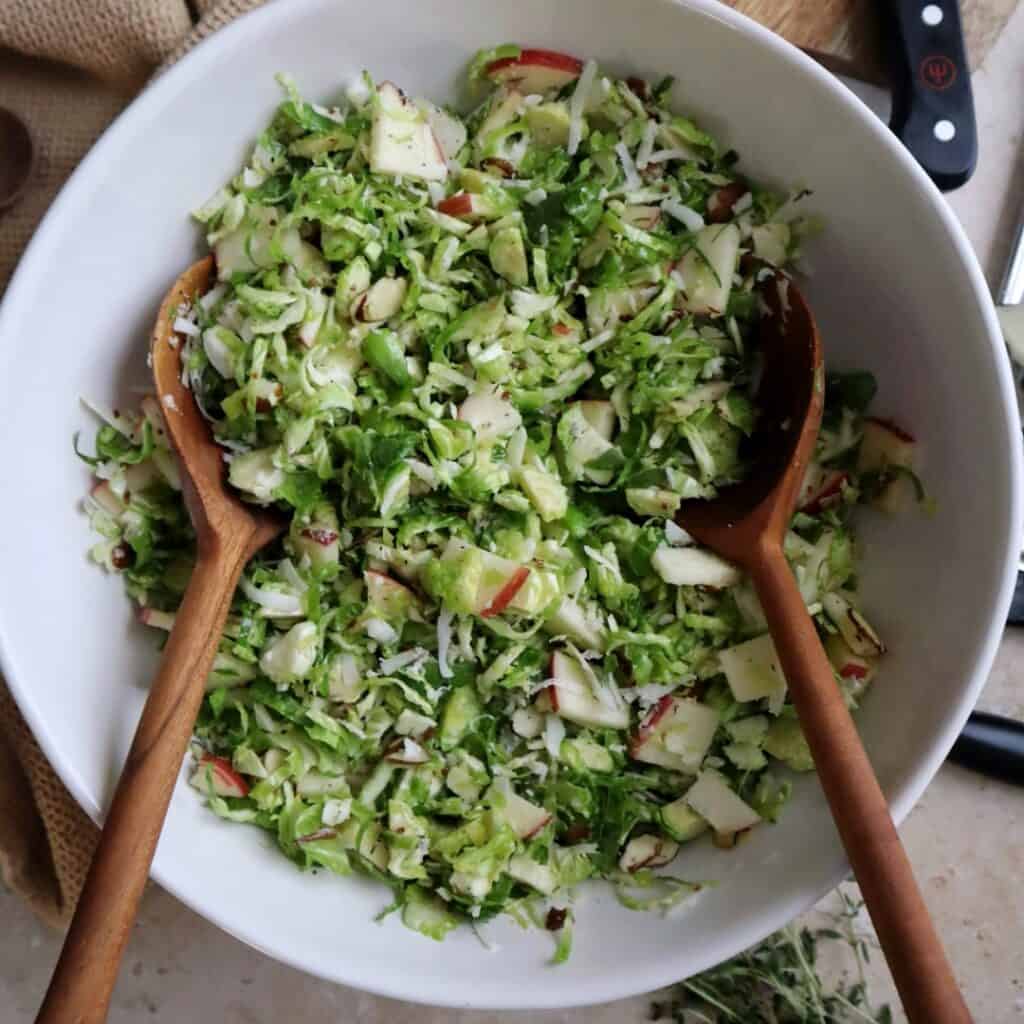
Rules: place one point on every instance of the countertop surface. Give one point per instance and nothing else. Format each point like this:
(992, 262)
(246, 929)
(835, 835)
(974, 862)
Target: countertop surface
(965, 837)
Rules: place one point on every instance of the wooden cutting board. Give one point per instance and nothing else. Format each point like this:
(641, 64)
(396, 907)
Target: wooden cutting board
(845, 35)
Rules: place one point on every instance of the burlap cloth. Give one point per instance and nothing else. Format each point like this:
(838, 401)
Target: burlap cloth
(67, 68)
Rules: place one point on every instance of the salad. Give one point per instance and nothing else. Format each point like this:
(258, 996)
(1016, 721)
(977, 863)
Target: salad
(480, 360)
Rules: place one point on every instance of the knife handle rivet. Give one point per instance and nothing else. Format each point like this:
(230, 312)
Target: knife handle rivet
(931, 15)
(944, 131)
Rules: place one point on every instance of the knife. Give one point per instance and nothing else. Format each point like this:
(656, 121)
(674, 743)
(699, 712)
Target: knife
(932, 104)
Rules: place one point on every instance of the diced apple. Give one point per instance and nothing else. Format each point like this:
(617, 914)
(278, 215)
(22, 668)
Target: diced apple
(571, 696)
(676, 734)
(708, 268)
(490, 416)
(855, 630)
(884, 444)
(381, 301)
(402, 140)
(535, 71)
(648, 851)
(711, 797)
(821, 488)
(320, 543)
(448, 129)
(217, 771)
(753, 672)
(525, 869)
(527, 723)
(526, 819)
(693, 567)
(497, 583)
(504, 597)
(406, 751)
(572, 621)
(386, 595)
(468, 206)
(855, 670)
(600, 414)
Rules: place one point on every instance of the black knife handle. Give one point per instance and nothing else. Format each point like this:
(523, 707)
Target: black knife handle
(933, 110)
(992, 745)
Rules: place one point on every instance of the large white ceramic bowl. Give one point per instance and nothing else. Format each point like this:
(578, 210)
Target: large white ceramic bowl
(896, 289)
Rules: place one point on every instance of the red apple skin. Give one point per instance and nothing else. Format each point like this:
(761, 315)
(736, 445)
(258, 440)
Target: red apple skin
(853, 671)
(506, 67)
(458, 205)
(504, 596)
(227, 775)
(832, 487)
(893, 428)
(561, 329)
(539, 828)
(320, 536)
(649, 724)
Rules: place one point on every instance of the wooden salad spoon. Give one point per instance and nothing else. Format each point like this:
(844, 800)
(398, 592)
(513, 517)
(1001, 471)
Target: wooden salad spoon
(228, 534)
(746, 524)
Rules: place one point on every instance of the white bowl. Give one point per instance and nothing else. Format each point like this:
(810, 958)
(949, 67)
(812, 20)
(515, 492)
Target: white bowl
(897, 291)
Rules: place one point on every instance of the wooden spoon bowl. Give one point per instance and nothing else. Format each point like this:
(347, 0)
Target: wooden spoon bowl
(746, 524)
(228, 534)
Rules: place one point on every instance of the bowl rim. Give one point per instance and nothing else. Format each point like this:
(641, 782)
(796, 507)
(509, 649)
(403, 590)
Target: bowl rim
(262, 19)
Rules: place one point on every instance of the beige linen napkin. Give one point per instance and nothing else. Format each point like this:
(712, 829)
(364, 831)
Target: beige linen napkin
(67, 68)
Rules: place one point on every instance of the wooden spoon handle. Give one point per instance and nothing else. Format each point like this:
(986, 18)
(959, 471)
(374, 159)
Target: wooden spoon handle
(84, 978)
(922, 973)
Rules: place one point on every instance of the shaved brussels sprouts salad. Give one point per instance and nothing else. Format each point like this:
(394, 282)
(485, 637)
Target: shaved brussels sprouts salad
(480, 360)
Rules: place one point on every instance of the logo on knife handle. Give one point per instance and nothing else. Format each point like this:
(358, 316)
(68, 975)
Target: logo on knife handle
(937, 73)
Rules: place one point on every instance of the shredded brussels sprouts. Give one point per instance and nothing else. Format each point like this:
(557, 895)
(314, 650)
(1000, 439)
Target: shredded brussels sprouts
(480, 360)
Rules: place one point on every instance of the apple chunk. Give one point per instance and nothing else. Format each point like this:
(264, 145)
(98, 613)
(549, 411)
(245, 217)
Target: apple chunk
(694, 567)
(571, 695)
(525, 819)
(535, 71)
(468, 206)
(490, 583)
(711, 797)
(217, 771)
(402, 141)
(676, 734)
(821, 489)
(648, 851)
(752, 671)
(886, 446)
